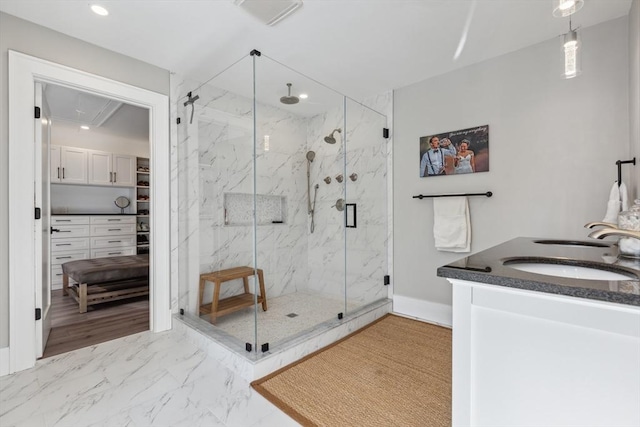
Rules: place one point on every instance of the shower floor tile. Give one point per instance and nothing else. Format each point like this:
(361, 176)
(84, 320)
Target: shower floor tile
(287, 316)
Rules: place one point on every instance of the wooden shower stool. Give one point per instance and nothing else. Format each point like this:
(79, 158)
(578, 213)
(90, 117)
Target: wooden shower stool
(219, 307)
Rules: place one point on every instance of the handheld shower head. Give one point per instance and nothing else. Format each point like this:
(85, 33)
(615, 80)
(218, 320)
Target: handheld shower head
(289, 99)
(311, 155)
(330, 139)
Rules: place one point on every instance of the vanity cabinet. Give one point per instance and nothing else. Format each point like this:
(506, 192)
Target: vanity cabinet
(528, 358)
(68, 165)
(76, 237)
(111, 169)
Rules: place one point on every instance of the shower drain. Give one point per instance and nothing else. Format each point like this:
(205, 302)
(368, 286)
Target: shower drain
(292, 315)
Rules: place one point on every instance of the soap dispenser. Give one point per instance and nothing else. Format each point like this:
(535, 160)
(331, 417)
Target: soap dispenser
(630, 220)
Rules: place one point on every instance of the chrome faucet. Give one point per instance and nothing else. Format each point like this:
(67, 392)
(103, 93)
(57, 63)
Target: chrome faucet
(606, 232)
(600, 224)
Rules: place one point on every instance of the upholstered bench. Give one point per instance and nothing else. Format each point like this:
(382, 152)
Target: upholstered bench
(106, 279)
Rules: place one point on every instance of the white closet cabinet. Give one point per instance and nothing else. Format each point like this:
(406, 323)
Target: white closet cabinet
(68, 165)
(111, 169)
(78, 237)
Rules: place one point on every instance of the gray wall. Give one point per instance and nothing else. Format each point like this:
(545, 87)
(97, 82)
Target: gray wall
(22, 36)
(553, 146)
(634, 97)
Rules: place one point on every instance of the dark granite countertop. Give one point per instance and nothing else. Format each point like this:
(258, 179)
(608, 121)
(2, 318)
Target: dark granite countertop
(93, 214)
(487, 267)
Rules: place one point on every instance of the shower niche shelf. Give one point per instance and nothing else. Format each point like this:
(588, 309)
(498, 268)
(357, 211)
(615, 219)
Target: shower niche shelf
(238, 209)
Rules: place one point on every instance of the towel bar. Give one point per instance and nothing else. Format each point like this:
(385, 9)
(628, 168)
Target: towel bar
(423, 196)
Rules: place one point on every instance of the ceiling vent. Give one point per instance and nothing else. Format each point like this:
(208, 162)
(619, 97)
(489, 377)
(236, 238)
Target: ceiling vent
(269, 12)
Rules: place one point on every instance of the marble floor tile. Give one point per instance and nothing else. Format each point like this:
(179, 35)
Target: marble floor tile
(142, 380)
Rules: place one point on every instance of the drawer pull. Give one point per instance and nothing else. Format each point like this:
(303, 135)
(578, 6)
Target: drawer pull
(115, 253)
(114, 220)
(63, 257)
(59, 274)
(58, 173)
(63, 220)
(115, 241)
(115, 229)
(64, 231)
(63, 244)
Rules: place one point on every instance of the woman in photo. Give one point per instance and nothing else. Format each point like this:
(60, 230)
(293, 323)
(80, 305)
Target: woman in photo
(465, 162)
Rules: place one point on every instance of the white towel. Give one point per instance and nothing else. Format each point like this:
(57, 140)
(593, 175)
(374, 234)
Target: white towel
(624, 198)
(451, 224)
(618, 200)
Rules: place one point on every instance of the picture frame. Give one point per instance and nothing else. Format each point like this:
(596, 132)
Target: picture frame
(464, 151)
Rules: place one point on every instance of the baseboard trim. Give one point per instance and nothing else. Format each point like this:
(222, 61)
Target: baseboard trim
(4, 361)
(428, 311)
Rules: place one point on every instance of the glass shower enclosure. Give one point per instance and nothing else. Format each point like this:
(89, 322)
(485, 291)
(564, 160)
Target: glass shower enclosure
(282, 211)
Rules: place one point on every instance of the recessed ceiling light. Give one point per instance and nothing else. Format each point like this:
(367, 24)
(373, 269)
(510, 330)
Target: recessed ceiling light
(99, 10)
(303, 96)
(84, 127)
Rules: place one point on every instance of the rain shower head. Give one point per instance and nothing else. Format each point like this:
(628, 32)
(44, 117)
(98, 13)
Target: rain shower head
(311, 155)
(289, 99)
(330, 139)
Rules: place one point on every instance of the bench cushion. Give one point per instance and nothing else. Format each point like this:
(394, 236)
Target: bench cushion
(100, 270)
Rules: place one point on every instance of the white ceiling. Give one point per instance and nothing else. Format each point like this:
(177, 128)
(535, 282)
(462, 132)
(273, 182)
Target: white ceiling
(358, 47)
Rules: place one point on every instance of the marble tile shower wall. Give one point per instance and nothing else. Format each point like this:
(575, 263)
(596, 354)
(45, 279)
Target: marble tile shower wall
(281, 248)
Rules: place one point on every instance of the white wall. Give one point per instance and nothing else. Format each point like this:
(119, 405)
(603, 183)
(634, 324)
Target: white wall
(634, 97)
(553, 146)
(31, 39)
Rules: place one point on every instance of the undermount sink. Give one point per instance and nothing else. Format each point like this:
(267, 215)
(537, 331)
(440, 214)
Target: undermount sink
(572, 243)
(570, 269)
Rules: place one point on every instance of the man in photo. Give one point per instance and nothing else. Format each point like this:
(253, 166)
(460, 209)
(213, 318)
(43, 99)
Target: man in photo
(433, 161)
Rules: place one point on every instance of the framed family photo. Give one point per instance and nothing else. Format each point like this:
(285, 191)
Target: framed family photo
(457, 152)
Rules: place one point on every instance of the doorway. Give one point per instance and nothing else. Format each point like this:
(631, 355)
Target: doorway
(24, 72)
(98, 154)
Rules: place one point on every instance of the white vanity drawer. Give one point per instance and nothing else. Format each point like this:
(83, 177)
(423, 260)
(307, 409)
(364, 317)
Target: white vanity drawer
(113, 219)
(113, 229)
(79, 243)
(66, 231)
(104, 253)
(62, 257)
(113, 241)
(69, 220)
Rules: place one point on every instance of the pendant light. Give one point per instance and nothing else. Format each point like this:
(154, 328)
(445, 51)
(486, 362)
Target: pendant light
(572, 56)
(563, 8)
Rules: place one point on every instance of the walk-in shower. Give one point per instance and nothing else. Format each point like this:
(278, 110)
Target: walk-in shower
(247, 197)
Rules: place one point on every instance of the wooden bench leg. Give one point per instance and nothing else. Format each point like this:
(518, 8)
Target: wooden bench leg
(65, 284)
(201, 294)
(214, 302)
(245, 281)
(82, 291)
(263, 294)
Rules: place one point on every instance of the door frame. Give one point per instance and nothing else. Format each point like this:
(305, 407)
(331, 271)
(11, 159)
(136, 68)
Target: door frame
(24, 71)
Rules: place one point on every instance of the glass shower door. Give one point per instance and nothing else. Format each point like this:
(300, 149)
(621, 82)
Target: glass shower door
(366, 206)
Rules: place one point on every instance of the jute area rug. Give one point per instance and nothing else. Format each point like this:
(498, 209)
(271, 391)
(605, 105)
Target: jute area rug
(394, 372)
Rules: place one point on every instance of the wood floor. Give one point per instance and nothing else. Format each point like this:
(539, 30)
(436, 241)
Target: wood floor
(71, 330)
